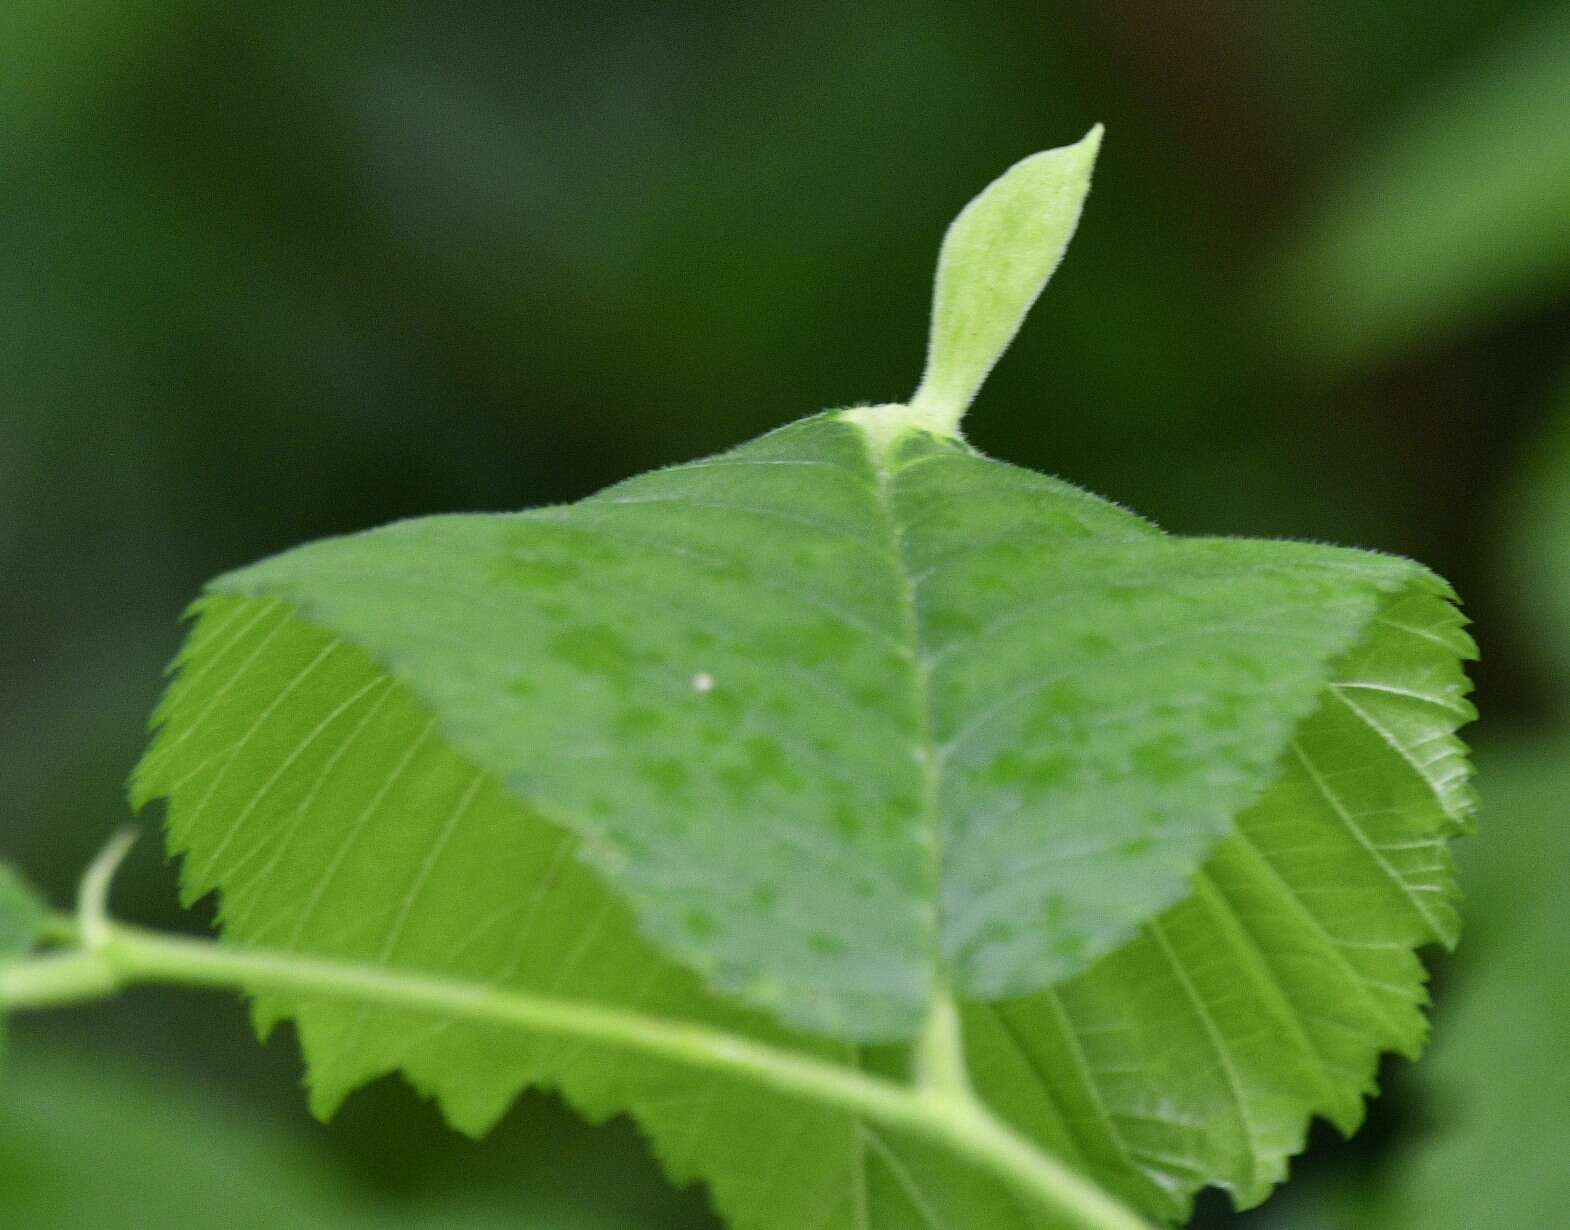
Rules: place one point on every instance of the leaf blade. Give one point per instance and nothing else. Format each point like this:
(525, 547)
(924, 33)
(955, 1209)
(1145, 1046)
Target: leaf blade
(582, 942)
(711, 676)
(1199, 1051)
(516, 909)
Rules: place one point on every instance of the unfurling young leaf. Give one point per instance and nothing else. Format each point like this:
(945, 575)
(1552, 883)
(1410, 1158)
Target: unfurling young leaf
(809, 739)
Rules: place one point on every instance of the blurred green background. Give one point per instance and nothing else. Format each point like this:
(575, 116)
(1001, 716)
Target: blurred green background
(277, 271)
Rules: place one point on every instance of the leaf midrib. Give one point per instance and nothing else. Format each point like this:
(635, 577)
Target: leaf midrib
(925, 749)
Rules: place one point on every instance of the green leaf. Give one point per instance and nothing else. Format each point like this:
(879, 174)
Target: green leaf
(304, 805)
(1185, 1059)
(797, 741)
(1454, 215)
(1496, 1087)
(21, 913)
(1195, 1054)
(840, 728)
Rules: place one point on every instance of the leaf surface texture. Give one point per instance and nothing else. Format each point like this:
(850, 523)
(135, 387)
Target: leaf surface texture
(783, 739)
(843, 730)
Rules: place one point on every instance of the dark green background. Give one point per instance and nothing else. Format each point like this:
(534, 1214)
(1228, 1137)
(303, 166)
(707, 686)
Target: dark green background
(277, 271)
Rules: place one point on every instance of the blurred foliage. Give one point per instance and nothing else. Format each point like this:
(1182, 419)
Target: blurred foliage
(1534, 551)
(1460, 211)
(1488, 1137)
(279, 271)
(21, 915)
(163, 1156)
(1492, 1149)
(1495, 1145)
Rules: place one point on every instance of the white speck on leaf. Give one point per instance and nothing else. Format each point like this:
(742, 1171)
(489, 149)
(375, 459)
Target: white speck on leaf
(703, 682)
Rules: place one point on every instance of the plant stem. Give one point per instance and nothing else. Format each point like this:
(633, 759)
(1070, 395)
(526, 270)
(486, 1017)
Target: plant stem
(123, 956)
(940, 1050)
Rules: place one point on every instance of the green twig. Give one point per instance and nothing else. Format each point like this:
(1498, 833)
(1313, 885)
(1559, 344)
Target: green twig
(111, 956)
